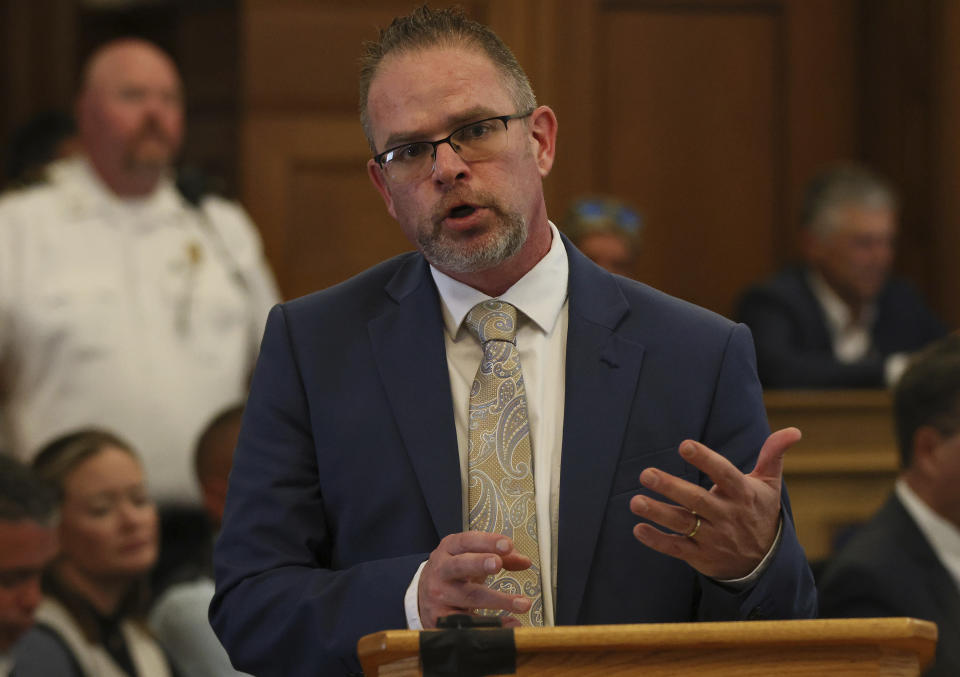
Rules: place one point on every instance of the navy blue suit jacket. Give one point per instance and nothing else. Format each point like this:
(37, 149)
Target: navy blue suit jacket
(347, 475)
(794, 348)
(889, 569)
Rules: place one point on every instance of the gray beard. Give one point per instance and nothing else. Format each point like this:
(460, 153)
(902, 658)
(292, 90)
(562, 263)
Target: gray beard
(449, 255)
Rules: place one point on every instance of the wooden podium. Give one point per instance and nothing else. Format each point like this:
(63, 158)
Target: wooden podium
(871, 646)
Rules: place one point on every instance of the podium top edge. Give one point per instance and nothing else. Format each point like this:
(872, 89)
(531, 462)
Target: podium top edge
(820, 632)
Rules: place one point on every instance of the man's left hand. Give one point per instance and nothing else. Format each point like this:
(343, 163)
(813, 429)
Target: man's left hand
(723, 532)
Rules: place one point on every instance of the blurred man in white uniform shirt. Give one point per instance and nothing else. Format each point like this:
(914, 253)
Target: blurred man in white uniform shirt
(122, 304)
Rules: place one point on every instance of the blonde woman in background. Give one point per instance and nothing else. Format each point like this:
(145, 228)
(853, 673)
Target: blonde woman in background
(89, 623)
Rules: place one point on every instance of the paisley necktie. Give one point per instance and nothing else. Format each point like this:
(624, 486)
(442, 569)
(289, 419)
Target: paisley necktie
(501, 489)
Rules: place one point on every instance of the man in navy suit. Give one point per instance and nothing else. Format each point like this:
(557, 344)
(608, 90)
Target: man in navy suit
(346, 510)
(906, 560)
(840, 320)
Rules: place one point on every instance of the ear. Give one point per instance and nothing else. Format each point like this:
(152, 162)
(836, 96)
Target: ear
(215, 498)
(543, 131)
(926, 441)
(380, 183)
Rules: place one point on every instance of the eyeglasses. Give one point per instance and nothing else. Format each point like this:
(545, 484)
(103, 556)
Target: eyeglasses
(479, 140)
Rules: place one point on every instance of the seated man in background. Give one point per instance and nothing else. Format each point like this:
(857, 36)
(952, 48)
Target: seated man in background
(906, 560)
(839, 320)
(607, 231)
(179, 617)
(28, 543)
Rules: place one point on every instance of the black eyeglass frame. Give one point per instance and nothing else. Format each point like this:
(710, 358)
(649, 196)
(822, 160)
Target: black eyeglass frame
(379, 158)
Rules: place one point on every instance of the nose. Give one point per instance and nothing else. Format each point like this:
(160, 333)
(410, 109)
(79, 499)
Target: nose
(448, 166)
(132, 515)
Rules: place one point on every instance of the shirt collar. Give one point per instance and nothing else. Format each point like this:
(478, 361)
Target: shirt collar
(539, 295)
(943, 536)
(837, 312)
(88, 194)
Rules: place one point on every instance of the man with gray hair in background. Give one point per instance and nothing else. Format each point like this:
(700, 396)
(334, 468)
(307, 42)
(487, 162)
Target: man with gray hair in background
(839, 320)
(28, 542)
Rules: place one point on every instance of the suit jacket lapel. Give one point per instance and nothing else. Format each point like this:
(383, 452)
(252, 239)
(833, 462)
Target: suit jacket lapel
(408, 347)
(942, 586)
(601, 377)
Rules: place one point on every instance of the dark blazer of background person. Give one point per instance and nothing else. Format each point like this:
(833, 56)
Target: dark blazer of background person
(794, 347)
(346, 475)
(889, 569)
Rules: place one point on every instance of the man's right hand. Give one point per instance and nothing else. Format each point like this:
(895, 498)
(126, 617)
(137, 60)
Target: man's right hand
(454, 579)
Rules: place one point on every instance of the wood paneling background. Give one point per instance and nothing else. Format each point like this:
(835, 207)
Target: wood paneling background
(709, 115)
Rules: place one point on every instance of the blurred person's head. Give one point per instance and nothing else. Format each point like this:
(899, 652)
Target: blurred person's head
(130, 114)
(28, 543)
(849, 221)
(108, 523)
(606, 230)
(460, 146)
(214, 458)
(927, 415)
(45, 137)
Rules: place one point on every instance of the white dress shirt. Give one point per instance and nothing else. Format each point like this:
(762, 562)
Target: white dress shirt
(141, 316)
(851, 337)
(942, 535)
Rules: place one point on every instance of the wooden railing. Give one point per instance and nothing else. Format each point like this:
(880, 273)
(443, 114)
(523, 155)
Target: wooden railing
(844, 467)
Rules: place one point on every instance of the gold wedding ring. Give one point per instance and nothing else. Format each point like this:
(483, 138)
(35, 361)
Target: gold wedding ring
(696, 527)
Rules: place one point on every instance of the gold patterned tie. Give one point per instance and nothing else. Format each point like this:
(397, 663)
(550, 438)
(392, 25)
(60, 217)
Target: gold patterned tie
(501, 490)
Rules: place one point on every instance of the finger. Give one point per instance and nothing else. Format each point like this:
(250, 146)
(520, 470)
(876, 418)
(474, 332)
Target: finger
(677, 519)
(691, 496)
(476, 541)
(724, 474)
(469, 566)
(440, 597)
(770, 460)
(514, 561)
(673, 545)
(467, 597)
(484, 597)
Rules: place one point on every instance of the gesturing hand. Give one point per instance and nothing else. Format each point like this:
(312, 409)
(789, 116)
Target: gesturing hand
(454, 578)
(725, 532)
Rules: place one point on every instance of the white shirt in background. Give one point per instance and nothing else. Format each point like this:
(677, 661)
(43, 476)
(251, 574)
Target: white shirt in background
(142, 316)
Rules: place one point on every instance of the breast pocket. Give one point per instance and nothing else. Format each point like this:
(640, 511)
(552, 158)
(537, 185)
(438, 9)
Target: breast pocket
(627, 478)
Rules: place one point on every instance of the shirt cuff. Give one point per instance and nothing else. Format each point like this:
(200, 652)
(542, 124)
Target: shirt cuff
(746, 581)
(894, 366)
(411, 603)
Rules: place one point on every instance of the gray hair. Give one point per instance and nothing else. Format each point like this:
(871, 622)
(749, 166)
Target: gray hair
(425, 28)
(840, 186)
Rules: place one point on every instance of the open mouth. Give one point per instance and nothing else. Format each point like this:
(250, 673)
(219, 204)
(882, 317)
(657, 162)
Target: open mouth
(462, 211)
